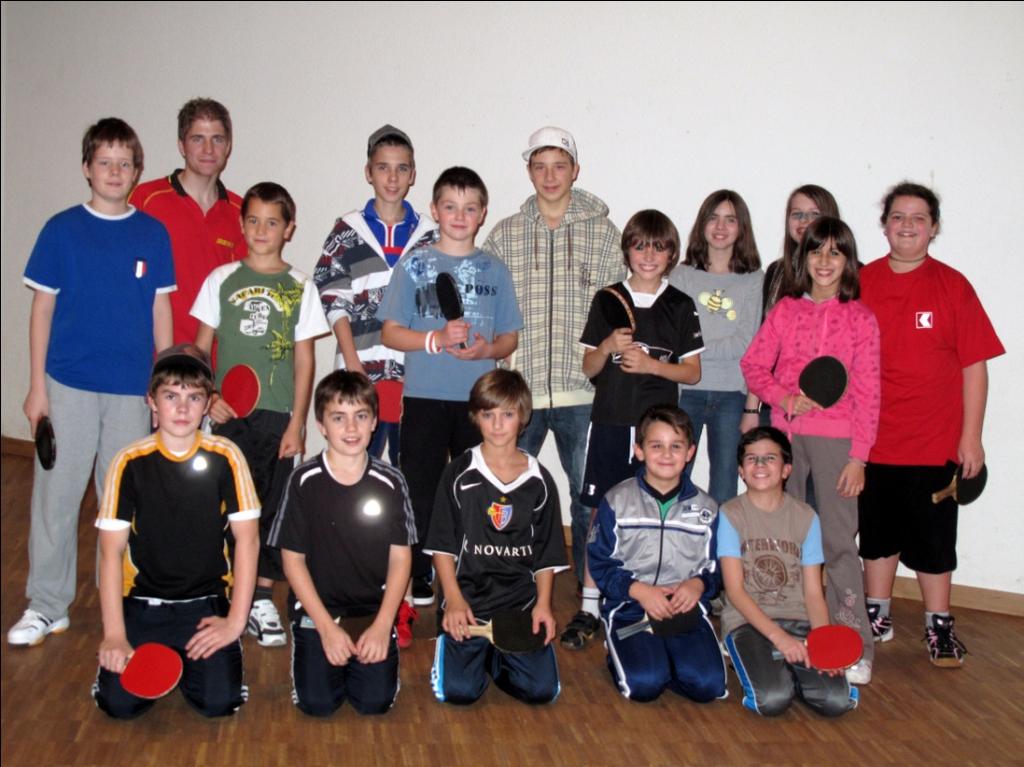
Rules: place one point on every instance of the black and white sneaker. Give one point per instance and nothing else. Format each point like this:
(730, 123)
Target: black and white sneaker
(581, 629)
(422, 592)
(944, 647)
(881, 625)
(265, 624)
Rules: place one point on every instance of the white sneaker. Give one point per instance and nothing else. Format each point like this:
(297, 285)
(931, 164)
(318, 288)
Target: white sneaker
(265, 624)
(33, 628)
(859, 672)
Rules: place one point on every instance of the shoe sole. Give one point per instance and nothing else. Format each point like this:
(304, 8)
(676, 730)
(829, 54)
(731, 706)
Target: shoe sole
(423, 601)
(886, 637)
(279, 640)
(570, 646)
(275, 642)
(947, 662)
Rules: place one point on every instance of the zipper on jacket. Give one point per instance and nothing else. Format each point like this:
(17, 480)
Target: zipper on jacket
(661, 548)
(551, 315)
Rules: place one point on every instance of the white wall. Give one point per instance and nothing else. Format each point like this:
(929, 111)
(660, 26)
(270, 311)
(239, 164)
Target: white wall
(668, 102)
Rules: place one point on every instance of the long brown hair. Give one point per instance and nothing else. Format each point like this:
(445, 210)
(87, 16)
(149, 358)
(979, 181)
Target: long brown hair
(745, 257)
(798, 279)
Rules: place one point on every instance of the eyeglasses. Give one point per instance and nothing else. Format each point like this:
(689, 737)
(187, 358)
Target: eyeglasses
(659, 246)
(761, 460)
(804, 216)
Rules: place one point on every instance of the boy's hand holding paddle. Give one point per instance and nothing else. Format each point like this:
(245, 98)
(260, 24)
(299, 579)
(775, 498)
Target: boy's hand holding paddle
(338, 645)
(114, 654)
(830, 649)
(686, 595)
(372, 644)
(791, 649)
(544, 623)
(458, 617)
(656, 600)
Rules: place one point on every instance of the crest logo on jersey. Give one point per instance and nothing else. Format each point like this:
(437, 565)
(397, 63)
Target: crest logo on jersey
(924, 320)
(500, 513)
(705, 516)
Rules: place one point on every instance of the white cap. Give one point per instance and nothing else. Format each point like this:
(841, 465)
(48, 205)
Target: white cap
(551, 137)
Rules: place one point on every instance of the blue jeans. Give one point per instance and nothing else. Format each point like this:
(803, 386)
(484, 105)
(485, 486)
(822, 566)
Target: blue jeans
(721, 412)
(390, 433)
(570, 426)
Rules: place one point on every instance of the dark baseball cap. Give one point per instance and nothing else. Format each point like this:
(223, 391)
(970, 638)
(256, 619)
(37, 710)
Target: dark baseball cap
(185, 355)
(384, 132)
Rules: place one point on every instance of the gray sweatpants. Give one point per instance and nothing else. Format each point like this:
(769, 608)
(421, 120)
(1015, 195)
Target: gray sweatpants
(771, 684)
(824, 458)
(87, 426)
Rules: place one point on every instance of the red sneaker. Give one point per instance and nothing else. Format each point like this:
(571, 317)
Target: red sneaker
(407, 614)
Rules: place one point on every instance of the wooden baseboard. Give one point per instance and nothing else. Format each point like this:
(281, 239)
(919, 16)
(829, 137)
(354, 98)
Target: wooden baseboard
(989, 600)
(23, 447)
(973, 598)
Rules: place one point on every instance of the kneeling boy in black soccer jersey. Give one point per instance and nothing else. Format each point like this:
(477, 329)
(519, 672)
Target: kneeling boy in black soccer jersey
(345, 528)
(496, 539)
(164, 575)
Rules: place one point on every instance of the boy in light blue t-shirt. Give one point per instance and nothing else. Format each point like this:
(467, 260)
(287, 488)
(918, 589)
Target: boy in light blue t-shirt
(444, 358)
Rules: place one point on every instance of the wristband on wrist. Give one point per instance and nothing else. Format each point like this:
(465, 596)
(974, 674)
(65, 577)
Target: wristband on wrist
(428, 343)
(751, 410)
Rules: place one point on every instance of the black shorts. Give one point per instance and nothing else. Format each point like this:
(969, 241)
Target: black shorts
(897, 516)
(610, 460)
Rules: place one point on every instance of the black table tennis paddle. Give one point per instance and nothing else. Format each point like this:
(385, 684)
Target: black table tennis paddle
(448, 298)
(824, 380)
(46, 444)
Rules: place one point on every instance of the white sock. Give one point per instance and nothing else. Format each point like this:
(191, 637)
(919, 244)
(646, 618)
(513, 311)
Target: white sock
(591, 598)
(883, 606)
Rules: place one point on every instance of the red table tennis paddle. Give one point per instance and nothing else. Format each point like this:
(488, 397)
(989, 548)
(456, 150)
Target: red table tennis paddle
(510, 631)
(240, 388)
(831, 648)
(46, 445)
(448, 298)
(963, 491)
(824, 380)
(153, 670)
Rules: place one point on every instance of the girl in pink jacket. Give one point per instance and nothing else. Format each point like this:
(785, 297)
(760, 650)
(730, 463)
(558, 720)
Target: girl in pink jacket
(820, 315)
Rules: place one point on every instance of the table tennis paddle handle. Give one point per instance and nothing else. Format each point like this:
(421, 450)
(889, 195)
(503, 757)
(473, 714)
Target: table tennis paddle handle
(945, 493)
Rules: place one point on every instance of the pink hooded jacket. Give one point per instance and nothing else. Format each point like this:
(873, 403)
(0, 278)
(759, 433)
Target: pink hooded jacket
(796, 331)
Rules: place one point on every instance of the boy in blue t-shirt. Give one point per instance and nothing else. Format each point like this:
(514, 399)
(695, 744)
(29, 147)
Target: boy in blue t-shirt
(102, 273)
(444, 358)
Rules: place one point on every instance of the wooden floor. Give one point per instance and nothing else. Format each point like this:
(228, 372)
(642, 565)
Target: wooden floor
(911, 714)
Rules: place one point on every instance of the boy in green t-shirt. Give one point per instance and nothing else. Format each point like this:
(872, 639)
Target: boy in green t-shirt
(265, 314)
